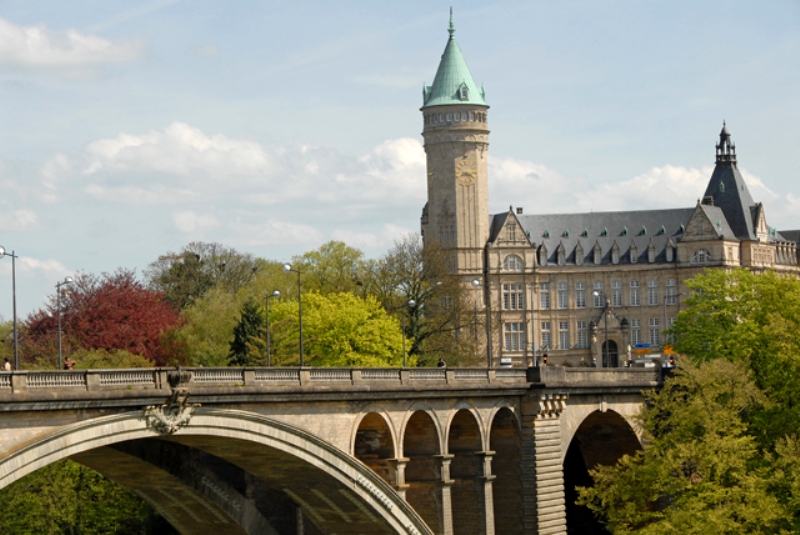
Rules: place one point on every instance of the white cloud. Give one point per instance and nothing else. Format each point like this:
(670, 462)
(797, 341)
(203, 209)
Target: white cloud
(27, 266)
(275, 232)
(37, 46)
(178, 149)
(367, 240)
(189, 222)
(18, 220)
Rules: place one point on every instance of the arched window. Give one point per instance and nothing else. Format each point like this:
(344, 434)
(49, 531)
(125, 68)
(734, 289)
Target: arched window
(512, 263)
(701, 256)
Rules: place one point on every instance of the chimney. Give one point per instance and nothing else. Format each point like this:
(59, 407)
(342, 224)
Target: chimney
(519, 210)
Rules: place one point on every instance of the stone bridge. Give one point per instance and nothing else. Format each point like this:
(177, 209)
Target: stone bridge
(330, 450)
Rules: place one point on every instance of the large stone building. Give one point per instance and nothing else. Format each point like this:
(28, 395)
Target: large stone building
(584, 288)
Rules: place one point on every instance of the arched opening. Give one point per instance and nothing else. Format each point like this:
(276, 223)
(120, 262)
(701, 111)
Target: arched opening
(610, 354)
(466, 469)
(504, 440)
(374, 445)
(602, 439)
(334, 491)
(423, 476)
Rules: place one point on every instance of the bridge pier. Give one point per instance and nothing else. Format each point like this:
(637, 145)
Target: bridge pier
(445, 493)
(544, 506)
(485, 480)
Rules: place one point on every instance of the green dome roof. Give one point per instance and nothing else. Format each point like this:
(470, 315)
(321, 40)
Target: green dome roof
(453, 83)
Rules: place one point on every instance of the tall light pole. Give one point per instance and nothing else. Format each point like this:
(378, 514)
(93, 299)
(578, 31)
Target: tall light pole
(477, 283)
(13, 300)
(276, 293)
(288, 268)
(604, 352)
(410, 304)
(67, 281)
(666, 325)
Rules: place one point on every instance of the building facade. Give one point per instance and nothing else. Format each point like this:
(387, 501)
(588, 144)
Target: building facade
(591, 289)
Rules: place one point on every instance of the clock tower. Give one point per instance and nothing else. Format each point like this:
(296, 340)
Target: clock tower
(456, 137)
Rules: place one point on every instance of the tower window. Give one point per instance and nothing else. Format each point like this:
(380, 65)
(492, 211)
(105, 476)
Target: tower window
(472, 116)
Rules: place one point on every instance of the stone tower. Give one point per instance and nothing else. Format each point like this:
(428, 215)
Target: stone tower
(456, 140)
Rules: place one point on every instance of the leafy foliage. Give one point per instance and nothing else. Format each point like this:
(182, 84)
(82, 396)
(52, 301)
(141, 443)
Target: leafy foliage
(700, 472)
(111, 312)
(188, 275)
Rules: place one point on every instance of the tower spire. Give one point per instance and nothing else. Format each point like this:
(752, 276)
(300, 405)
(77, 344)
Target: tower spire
(452, 29)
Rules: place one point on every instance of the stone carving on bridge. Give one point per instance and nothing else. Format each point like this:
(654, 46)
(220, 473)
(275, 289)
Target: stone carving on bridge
(173, 415)
(551, 405)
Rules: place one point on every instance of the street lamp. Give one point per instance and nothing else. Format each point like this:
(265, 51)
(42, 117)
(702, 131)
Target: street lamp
(666, 325)
(67, 281)
(276, 293)
(288, 268)
(477, 283)
(13, 300)
(410, 304)
(604, 351)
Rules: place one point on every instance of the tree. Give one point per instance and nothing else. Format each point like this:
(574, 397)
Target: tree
(188, 275)
(251, 325)
(333, 268)
(111, 312)
(701, 472)
(753, 319)
(338, 330)
(443, 320)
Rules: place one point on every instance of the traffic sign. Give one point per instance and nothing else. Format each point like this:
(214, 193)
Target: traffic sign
(642, 346)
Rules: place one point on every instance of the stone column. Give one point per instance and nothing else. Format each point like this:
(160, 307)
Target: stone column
(542, 473)
(397, 475)
(445, 504)
(486, 478)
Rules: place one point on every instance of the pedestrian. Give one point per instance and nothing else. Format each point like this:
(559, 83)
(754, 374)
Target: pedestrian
(441, 363)
(6, 365)
(69, 364)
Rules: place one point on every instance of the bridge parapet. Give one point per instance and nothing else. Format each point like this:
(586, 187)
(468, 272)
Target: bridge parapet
(161, 378)
(594, 377)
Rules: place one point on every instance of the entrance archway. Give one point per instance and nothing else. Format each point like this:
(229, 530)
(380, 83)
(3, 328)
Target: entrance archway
(602, 439)
(610, 354)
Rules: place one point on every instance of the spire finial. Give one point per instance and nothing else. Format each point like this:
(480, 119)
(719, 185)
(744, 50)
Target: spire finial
(452, 29)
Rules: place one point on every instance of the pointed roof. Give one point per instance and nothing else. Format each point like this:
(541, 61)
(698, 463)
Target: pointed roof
(453, 83)
(728, 190)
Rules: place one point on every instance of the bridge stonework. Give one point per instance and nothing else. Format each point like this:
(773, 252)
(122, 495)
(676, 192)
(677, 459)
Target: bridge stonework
(325, 451)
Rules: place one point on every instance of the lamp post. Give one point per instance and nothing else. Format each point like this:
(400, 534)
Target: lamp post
(276, 293)
(410, 304)
(288, 268)
(477, 283)
(604, 352)
(13, 300)
(666, 325)
(67, 281)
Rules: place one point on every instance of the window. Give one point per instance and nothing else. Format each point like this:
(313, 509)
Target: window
(544, 296)
(580, 295)
(546, 340)
(672, 296)
(597, 255)
(670, 253)
(670, 282)
(512, 263)
(634, 254)
(513, 297)
(636, 333)
(599, 295)
(579, 255)
(563, 300)
(616, 298)
(561, 257)
(652, 293)
(514, 336)
(651, 254)
(615, 256)
(701, 256)
(670, 338)
(654, 332)
(543, 256)
(583, 335)
(563, 334)
(511, 231)
(447, 234)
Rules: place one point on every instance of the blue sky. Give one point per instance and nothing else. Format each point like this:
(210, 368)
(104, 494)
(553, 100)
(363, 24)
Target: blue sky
(130, 129)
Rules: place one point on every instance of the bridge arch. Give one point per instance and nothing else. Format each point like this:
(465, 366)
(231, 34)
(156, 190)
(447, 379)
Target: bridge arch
(458, 412)
(374, 443)
(505, 440)
(577, 411)
(343, 493)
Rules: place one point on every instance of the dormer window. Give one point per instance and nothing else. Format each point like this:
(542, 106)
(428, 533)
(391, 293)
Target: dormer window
(579, 255)
(670, 253)
(634, 254)
(463, 92)
(543, 256)
(597, 254)
(651, 254)
(615, 254)
(561, 256)
(512, 263)
(701, 256)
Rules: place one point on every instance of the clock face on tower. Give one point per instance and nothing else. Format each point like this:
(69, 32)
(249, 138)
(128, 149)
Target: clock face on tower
(466, 172)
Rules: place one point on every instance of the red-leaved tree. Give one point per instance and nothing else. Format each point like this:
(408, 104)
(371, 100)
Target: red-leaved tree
(113, 311)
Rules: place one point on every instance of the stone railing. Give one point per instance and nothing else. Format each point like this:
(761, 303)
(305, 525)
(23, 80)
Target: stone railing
(199, 378)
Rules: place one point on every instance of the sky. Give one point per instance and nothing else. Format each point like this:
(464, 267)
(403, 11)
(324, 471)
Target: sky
(130, 129)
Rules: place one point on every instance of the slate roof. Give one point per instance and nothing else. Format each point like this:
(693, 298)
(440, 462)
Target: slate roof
(452, 74)
(639, 228)
(790, 235)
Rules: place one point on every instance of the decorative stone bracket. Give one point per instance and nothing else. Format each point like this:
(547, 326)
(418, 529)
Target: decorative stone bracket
(551, 405)
(176, 412)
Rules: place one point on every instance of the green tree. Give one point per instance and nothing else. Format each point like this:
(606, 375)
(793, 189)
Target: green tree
(701, 472)
(753, 319)
(250, 327)
(333, 268)
(187, 276)
(87, 359)
(338, 330)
